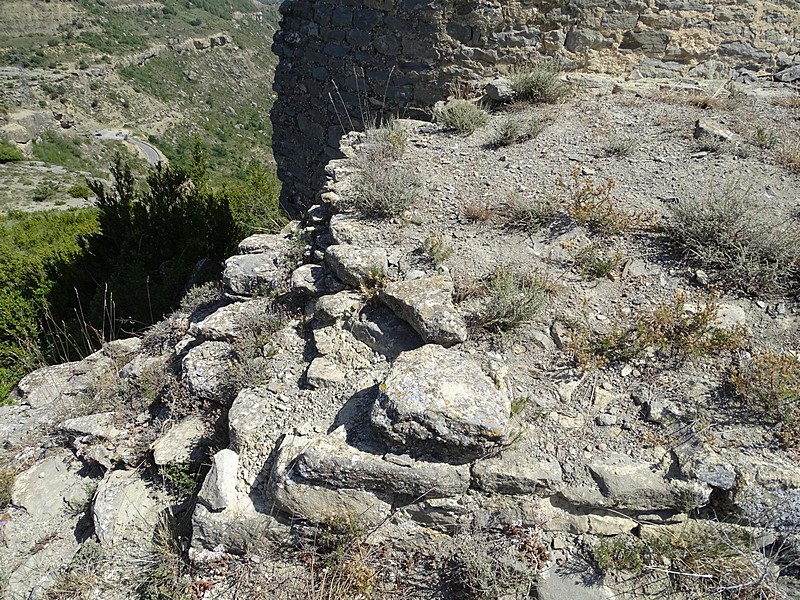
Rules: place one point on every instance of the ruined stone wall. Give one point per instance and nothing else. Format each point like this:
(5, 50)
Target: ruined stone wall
(343, 62)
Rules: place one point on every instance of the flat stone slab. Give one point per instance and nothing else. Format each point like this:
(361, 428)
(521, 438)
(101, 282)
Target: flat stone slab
(122, 505)
(352, 264)
(317, 502)
(219, 487)
(427, 305)
(515, 471)
(330, 460)
(439, 402)
(314, 280)
(383, 331)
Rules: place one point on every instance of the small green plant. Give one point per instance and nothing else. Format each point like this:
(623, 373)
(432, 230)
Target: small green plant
(511, 300)
(166, 573)
(373, 282)
(79, 191)
(461, 115)
(181, 478)
(728, 234)
(541, 83)
(436, 248)
(529, 215)
(620, 146)
(9, 152)
(515, 130)
(769, 384)
(597, 264)
(519, 404)
(764, 138)
(6, 486)
(43, 191)
(620, 553)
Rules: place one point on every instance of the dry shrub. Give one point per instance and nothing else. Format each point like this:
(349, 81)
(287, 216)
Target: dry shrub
(728, 234)
(463, 116)
(475, 211)
(511, 300)
(436, 249)
(484, 565)
(515, 130)
(703, 559)
(384, 189)
(541, 83)
(769, 384)
(529, 215)
(6, 486)
(594, 206)
(789, 155)
(677, 327)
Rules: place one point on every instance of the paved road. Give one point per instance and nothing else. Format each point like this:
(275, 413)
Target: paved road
(152, 154)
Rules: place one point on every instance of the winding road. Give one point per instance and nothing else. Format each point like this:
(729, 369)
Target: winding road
(151, 152)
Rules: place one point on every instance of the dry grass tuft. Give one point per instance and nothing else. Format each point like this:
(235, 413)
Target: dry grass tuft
(728, 234)
(463, 116)
(541, 83)
(769, 384)
(511, 300)
(476, 211)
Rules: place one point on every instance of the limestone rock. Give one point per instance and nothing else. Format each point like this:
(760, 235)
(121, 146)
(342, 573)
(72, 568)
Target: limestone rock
(500, 90)
(440, 402)
(329, 460)
(227, 323)
(513, 471)
(316, 502)
(122, 503)
(207, 369)
(237, 528)
(315, 280)
(37, 573)
(219, 487)
(352, 263)
(384, 332)
(709, 127)
(51, 487)
(247, 415)
(337, 307)
(257, 274)
(181, 444)
(323, 373)
(42, 387)
(696, 461)
(98, 425)
(263, 242)
(636, 486)
(427, 305)
(347, 229)
(560, 583)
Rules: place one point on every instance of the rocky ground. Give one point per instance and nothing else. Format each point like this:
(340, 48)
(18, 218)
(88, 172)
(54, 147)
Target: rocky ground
(369, 410)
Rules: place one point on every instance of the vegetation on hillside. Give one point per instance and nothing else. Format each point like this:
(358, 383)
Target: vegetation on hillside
(69, 279)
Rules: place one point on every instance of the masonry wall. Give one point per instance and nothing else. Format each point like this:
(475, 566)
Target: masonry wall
(343, 62)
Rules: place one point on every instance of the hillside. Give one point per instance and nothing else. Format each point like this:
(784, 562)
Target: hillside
(163, 71)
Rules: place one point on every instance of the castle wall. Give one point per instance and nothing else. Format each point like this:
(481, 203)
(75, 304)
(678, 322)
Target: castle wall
(344, 62)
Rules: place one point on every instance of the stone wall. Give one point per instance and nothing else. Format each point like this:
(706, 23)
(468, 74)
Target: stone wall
(343, 62)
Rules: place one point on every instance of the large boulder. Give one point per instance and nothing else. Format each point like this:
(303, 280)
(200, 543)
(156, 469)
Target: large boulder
(427, 305)
(263, 266)
(206, 370)
(439, 402)
(123, 509)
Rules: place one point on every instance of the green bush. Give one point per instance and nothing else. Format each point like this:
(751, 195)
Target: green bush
(79, 191)
(9, 152)
(255, 201)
